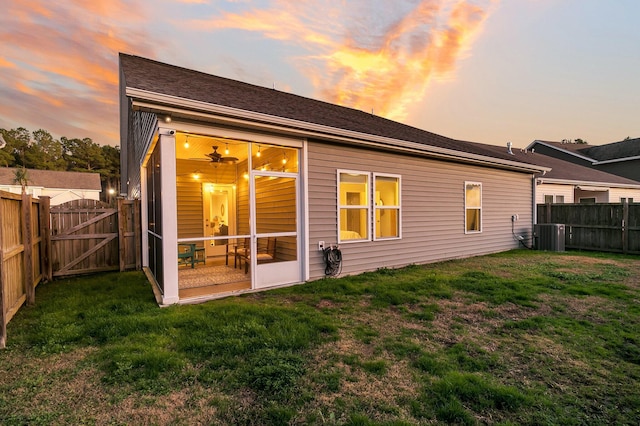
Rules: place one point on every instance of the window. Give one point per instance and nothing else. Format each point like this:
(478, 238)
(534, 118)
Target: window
(589, 200)
(386, 206)
(353, 201)
(473, 207)
(558, 199)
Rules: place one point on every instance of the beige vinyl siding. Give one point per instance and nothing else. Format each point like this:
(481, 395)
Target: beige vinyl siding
(616, 193)
(243, 202)
(600, 196)
(276, 212)
(190, 219)
(554, 189)
(432, 209)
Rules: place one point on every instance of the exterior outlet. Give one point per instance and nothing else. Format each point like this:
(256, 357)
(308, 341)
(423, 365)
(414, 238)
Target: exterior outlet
(320, 245)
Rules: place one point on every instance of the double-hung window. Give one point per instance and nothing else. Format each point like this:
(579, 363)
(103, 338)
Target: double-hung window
(353, 200)
(473, 207)
(386, 206)
(369, 205)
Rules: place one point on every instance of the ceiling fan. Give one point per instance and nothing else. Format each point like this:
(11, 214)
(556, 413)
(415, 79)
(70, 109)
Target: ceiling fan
(218, 158)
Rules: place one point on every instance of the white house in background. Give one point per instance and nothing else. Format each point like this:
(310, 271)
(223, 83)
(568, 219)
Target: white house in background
(59, 186)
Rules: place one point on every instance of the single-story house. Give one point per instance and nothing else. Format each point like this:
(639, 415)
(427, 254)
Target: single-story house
(243, 186)
(569, 182)
(60, 186)
(619, 158)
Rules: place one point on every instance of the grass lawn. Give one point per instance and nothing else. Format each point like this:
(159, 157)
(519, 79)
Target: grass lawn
(515, 338)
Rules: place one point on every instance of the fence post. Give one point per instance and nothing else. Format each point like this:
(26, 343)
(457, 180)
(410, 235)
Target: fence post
(137, 233)
(625, 226)
(27, 242)
(3, 314)
(45, 231)
(122, 252)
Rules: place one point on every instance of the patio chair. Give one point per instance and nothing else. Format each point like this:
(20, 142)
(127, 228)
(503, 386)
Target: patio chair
(186, 254)
(265, 253)
(189, 254)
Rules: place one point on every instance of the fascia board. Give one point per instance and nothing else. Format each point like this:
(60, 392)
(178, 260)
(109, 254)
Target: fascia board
(616, 160)
(173, 104)
(587, 183)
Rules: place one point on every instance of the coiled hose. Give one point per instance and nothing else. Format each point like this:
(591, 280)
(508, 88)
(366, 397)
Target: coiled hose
(332, 260)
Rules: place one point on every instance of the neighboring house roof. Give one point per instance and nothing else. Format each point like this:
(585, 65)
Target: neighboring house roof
(626, 149)
(172, 86)
(569, 148)
(617, 151)
(565, 171)
(53, 179)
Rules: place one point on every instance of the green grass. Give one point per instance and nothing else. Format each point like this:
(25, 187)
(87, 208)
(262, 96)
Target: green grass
(514, 338)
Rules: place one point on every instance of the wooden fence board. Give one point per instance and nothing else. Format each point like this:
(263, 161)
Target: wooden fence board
(39, 242)
(611, 227)
(84, 237)
(20, 258)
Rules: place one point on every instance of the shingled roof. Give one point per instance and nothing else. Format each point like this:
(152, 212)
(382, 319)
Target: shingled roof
(626, 149)
(567, 171)
(161, 78)
(613, 151)
(53, 179)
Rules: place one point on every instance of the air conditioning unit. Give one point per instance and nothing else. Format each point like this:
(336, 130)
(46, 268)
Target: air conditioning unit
(549, 236)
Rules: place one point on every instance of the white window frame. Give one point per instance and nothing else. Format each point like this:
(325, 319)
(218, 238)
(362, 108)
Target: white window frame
(368, 197)
(466, 231)
(554, 198)
(377, 207)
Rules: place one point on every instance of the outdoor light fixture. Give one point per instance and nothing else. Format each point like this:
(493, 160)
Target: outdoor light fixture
(258, 153)
(167, 118)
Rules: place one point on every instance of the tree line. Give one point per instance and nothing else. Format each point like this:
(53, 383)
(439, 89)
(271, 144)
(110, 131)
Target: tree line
(40, 150)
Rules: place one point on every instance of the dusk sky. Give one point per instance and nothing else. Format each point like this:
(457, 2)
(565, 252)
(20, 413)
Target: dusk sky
(486, 71)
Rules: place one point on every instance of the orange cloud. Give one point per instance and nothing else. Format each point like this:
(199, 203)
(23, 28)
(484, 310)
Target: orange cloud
(6, 64)
(371, 59)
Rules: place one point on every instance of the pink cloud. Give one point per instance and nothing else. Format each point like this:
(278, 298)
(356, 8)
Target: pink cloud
(378, 58)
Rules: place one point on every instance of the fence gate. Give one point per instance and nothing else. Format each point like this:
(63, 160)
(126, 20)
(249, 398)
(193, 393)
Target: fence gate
(90, 236)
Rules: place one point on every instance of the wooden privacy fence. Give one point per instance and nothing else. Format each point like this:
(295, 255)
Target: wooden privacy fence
(39, 242)
(89, 236)
(21, 260)
(610, 227)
